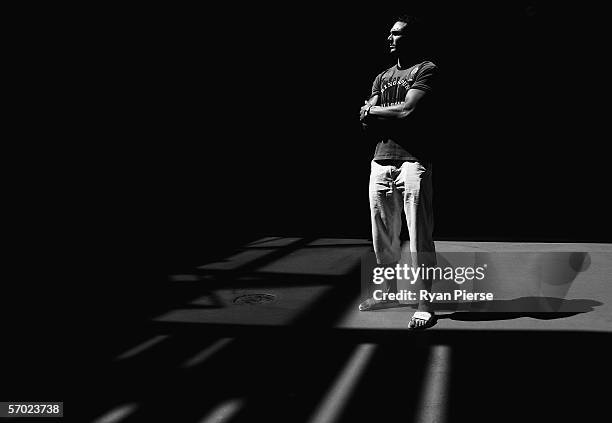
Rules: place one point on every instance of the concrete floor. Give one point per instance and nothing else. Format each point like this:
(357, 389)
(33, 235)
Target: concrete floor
(305, 354)
(533, 275)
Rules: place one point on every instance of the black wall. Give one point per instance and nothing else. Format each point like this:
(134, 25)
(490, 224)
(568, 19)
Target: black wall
(229, 123)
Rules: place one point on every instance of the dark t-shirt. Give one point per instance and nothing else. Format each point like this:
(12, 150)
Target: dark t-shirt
(405, 140)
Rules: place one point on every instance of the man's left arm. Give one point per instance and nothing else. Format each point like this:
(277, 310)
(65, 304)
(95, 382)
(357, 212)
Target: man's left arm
(399, 111)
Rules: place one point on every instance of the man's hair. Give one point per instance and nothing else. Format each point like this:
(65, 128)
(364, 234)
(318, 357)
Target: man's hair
(409, 19)
(413, 23)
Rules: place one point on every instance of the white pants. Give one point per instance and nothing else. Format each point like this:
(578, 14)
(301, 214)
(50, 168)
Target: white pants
(397, 185)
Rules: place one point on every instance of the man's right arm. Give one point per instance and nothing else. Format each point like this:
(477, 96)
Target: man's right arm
(373, 101)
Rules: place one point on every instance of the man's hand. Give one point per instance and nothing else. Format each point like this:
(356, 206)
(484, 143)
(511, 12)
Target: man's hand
(364, 111)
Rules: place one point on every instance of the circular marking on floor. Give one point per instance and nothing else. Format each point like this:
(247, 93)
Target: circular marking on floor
(254, 299)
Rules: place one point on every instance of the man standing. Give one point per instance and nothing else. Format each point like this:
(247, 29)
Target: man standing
(401, 172)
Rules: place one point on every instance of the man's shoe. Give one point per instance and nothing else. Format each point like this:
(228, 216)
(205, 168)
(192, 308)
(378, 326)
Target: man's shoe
(422, 320)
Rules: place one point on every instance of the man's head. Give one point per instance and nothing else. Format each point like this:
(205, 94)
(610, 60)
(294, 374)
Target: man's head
(402, 33)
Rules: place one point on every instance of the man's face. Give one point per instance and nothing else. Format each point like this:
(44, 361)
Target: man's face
(397, 38)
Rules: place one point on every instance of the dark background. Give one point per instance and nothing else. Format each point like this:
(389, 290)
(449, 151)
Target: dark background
(217, 125)
(166, 133)
(226, 123)
(170, 135)
(250, 122)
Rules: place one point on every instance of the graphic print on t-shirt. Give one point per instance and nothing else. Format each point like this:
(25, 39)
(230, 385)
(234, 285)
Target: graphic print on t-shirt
(393, 90)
